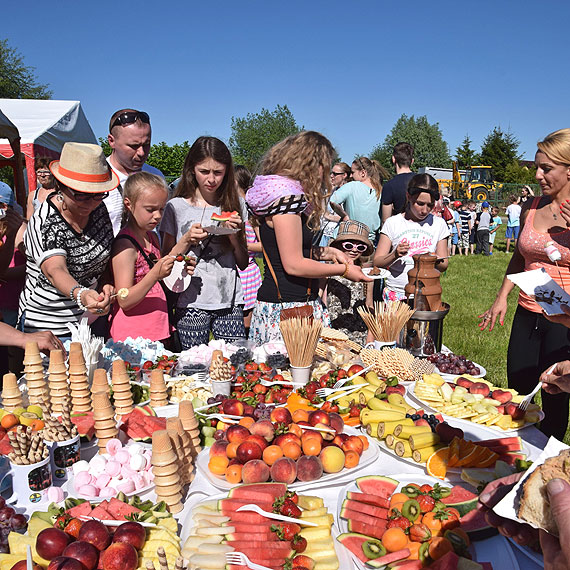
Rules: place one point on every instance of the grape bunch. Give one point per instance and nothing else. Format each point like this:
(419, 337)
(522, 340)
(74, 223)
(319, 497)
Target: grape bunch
(241, 356)
(277, 360)
(217, 399)
(9, 521)
(262, 412)
(453, 364)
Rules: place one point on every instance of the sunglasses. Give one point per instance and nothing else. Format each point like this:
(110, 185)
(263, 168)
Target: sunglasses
(43, 172)
(86, 196)
(130, 117)
(333, 173)
(350, 246)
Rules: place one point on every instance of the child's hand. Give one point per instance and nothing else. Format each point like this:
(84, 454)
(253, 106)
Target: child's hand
(195, 234)
(164, 266)
(190, 264)
(402, 248)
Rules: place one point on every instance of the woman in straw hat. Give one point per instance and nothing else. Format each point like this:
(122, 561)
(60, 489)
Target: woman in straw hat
(68, 244)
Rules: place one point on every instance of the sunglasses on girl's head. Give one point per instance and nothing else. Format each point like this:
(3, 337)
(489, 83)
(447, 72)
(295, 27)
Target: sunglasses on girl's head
(86, 196)
(350, 246)
(130, 117)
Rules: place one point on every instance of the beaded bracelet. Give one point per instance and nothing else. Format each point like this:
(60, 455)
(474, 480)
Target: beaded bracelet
(78, 298)
(346, 270)
(71, 295)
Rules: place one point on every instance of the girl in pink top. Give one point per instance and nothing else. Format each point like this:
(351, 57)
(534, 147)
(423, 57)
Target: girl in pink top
(143, 312)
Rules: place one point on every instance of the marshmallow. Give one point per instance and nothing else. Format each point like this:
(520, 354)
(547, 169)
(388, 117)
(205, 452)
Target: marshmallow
(115, 481)
(113, 445)
(113, 468)
(138, 462)
(135, 449)
(123, 456)
(103, 480)
(80, 466)
(55, 494)
(82, 478)
(127, 472)
(108, 492)
(88, 491)
(97, 465)
(140, 481)
(126, 487)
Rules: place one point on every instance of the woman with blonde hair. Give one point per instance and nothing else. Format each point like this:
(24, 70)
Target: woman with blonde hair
(535, 342)
(361, 197)
(288, 197)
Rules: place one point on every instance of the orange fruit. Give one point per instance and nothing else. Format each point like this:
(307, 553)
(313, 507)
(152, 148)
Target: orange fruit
(438, 547)
(436, 465)
(218, 464)
(37, 425)
(311, 446)
(300, 416)
(296, 429)
(394, 539)
(233, 473)
(351, 459)
(271, 454)
(414, 548)
(246, 422)
(292, 450)
(365, 442)
(231, 449)
(398, 498)
(9, 421)
(396, 507)
(433, 523)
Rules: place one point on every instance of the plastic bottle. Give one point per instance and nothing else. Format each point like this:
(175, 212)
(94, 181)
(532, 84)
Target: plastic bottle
(552, 251)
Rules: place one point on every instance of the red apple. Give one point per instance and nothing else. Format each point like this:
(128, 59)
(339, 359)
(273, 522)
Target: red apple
(237, 433)
(65, 563)
(354, 369)
(319, 417)
(281, 416)
(120, 556)
(131, 533)
(247, 451)
(96, 533)
(83, 551)
(22, 565)
(51, 542)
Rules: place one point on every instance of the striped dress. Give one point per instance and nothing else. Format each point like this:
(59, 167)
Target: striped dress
(250, 276)
(86, 257)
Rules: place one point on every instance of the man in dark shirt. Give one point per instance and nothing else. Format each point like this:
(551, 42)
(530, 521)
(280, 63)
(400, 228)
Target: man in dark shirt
(394, 191)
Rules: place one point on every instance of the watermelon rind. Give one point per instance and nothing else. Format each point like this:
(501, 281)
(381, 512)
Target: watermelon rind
(377, 485)
(354, 541)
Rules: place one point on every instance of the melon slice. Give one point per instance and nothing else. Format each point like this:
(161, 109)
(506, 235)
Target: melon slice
(377, 485)
(354, 541)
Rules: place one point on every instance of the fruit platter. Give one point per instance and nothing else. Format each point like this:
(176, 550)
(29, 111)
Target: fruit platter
(450, 365)
(411, 521)
(477, 401)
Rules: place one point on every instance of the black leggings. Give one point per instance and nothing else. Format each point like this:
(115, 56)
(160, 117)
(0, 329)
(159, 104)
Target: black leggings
(536, 344)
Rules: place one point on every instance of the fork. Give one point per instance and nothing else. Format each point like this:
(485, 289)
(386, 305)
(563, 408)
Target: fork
(275, 516)
(224, 418)
(240, 559)
(528, 399)
(324, 392)
(347, 393)
(281, 383)
(342, 382)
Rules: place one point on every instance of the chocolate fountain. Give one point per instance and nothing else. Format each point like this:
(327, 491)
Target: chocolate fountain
(424, 333)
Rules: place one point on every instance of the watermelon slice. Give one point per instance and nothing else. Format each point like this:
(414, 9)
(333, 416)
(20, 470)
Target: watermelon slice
(120, 510)
(101, 513)
(377, 485)
(511, 457)
(241, 527)
(222, 217)
(246, 517)
(351, 515)
(371, 510)
(354, 541)
(262, 549)
(449, 561)
(258, 491)
(375, 531)
(458, 494)
(85, 424)
(502, 441)
(368, 499)
(407, 565)
(383, 561)
(231, 505)
(83, 509)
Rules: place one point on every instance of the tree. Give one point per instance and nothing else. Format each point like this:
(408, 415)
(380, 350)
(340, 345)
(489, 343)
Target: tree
(516, 173)
(429, 147)
(465, 155)
(17, 80)
(498, 150)
(252, 136)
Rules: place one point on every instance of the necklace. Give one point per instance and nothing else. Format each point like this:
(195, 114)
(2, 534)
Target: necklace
(552, 211)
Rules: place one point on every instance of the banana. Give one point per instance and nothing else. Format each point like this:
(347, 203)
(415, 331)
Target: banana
(423, 454)
(377, 404)
(403, 449)
(391, 441)
(367, 416)
(417, 441)
(406, 431)
(372, 429)
(387, 428)
(397, 400)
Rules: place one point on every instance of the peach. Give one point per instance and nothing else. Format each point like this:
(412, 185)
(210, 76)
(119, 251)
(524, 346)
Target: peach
(233, 407)
(263, 428)
(281, 416)
(255, 471)
(354, 443)
(261, 441)
(479, 388)
(284, 438)
(319, 417)
(340, 439)
(284, 470)
(309, 468)
(332, 458)
(237, 433)
(502, 396)
(247, 451)
(336, 422)
(464, 382)
(219, 448)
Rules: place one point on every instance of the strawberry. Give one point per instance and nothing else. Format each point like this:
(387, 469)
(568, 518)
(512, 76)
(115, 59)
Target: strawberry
(303, 561)
(299, 544)
(399, 521)
(73, 527)
(286, 531)
(179, 257)
(293, 496)
(62, 521)
(426, 488)
(419, 532)
(426, 502)
(290, 509)
(251, 366)
(147, 365)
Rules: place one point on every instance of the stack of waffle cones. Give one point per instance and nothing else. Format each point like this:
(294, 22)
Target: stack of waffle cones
(165, 468)
(219, 369)
(121, 388)
(11, 395)
(158, 393)
(104, 416)
(190, 425)
(78, 379)
(100, 382)
(57, 381)
(182, 447)
(34, 373)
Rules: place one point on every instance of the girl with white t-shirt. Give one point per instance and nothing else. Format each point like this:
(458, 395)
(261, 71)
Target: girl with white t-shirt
(414, 231)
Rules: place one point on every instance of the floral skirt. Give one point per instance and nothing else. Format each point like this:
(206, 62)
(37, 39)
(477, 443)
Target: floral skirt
(389, 295)
(266, 316)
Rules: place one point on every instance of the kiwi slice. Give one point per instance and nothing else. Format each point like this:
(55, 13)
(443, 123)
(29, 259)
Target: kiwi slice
(411, 510)
(423, 553)
(373, 549)
(410, 490)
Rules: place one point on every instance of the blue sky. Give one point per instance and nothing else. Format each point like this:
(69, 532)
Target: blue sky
(347, 69)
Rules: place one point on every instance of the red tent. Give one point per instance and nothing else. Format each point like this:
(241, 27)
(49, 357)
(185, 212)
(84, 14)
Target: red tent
(38, 128)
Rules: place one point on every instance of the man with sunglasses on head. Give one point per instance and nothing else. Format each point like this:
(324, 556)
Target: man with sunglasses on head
(130, 138)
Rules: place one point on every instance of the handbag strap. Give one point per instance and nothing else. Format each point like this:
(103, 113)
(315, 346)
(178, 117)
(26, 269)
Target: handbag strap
(149, 261)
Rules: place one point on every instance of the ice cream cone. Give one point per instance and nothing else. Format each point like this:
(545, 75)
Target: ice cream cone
(165, 470)
(100, 382)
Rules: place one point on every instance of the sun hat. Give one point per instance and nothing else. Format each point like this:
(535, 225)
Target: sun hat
(354, 231)
(485, 204)
(456, 204)
(83, 167)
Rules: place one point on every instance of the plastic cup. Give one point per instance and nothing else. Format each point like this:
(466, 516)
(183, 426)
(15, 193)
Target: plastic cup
(222, 387)
(301, 374)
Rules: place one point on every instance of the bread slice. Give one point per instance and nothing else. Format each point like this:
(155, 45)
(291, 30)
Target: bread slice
(534, 506)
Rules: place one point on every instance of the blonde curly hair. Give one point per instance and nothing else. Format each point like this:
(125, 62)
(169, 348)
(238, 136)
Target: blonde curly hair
(306, 157)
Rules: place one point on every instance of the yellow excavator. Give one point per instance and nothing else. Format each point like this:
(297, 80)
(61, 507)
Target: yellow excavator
(475, 183)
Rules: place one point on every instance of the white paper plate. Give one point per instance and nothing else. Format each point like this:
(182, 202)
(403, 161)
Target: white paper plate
(368, 457)
(220, 230)
(382, 275)
(453, 377)
(178, 280)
